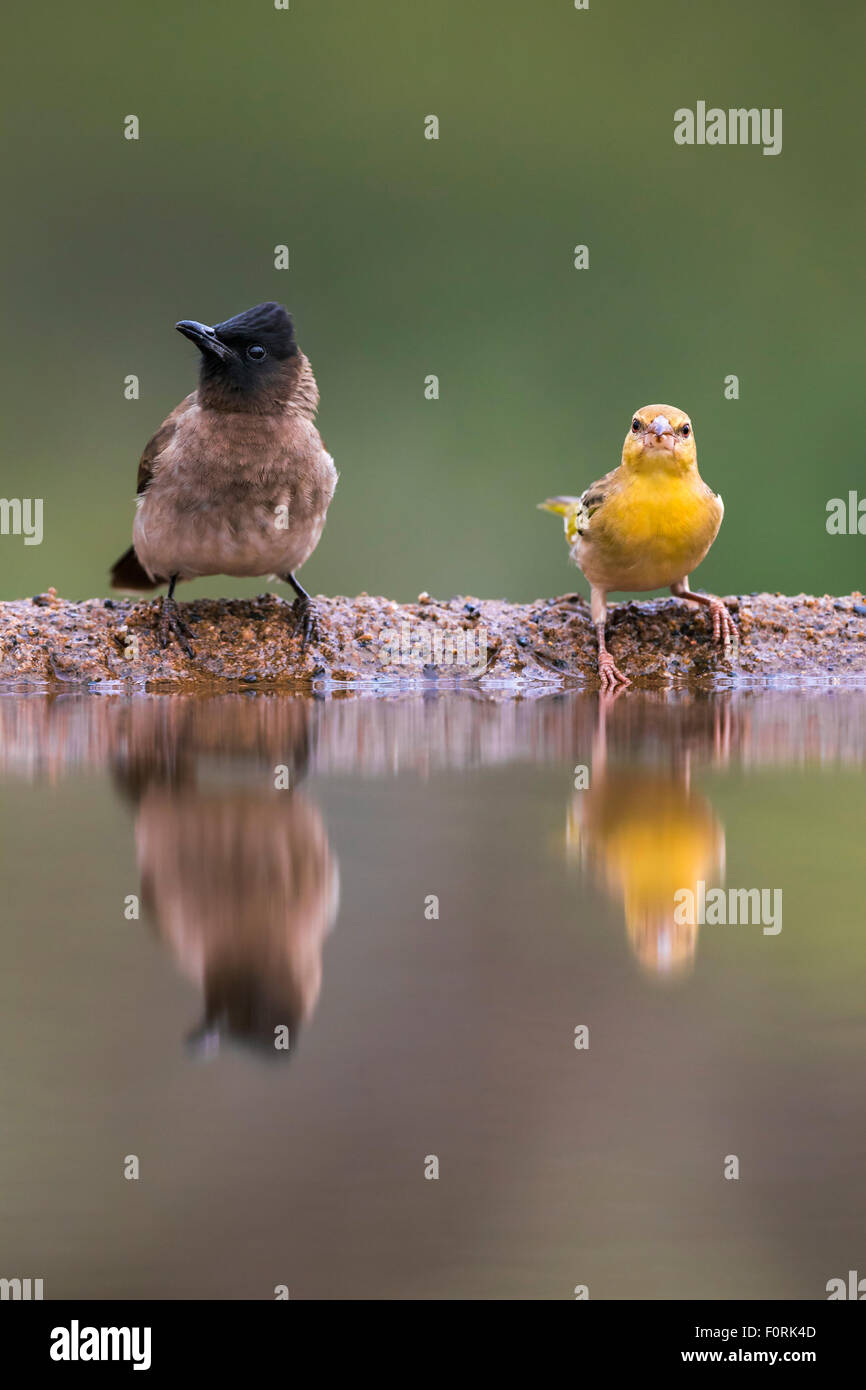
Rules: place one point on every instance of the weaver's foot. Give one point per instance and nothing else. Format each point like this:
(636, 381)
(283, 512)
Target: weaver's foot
(724, 627)
(609, 673)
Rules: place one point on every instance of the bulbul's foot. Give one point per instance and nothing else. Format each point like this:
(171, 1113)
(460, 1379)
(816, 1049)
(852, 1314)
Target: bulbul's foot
(305, 620)
(609, 673)
(170, 622)
(724, 627)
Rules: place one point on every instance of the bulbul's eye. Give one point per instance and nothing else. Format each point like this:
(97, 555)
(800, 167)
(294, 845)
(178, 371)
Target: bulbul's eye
(635, 425)
(256, 352)
(686, 431)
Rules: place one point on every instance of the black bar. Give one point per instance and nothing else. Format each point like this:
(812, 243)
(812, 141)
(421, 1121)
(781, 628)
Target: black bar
(223, 1338)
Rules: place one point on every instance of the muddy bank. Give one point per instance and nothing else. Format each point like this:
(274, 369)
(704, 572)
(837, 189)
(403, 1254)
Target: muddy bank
(376, 643)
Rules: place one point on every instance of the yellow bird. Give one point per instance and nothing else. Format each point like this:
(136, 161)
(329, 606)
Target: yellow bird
(646, 525)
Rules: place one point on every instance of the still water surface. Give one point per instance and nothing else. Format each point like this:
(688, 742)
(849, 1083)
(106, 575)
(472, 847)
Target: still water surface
(414, 1035)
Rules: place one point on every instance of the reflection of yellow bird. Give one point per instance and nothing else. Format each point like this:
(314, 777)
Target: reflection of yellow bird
(648, 836)
(646, 525)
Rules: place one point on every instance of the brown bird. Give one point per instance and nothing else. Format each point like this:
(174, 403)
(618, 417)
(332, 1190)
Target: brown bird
(236, 480)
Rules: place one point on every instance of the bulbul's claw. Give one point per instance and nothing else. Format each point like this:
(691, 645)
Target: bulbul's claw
(305, 620)
(170, 622)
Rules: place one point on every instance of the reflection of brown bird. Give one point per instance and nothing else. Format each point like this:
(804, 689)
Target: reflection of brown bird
(236, 480)
(244, 888)
(241, 882)
(165, 739)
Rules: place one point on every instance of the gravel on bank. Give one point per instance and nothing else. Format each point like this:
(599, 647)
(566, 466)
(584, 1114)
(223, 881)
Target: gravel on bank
(378, 644)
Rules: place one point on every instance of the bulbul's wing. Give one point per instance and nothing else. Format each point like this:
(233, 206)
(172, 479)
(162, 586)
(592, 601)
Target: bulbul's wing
(154, 446)
(127, 573)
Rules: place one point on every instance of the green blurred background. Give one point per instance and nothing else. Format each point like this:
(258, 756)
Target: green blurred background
(411, 257)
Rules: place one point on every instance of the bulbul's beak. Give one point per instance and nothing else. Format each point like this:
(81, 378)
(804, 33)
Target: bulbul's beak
(203, 1042)
(205, 339)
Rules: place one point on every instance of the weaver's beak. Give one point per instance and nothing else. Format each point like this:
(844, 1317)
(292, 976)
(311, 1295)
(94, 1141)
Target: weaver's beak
(205, 339)
(663, 430)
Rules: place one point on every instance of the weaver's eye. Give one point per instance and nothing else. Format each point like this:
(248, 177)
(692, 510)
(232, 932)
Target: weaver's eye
(686, 431)
(256, 352)
(635, 426)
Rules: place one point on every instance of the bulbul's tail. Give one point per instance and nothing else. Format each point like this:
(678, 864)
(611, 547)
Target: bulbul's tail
(127, 573)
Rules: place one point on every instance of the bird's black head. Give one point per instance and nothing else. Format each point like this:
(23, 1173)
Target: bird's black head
(248, 1007)
(244, 357)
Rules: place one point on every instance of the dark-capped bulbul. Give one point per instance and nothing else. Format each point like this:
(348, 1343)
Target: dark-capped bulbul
(237, 480)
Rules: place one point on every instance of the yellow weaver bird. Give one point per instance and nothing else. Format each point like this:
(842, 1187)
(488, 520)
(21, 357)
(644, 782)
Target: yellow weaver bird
(646, 525)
